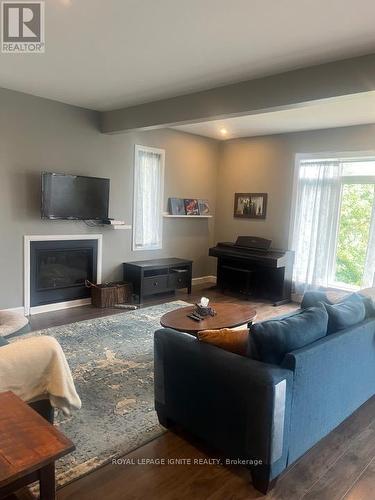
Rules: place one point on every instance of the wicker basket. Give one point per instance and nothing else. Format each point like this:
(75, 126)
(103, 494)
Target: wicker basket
(110, 294)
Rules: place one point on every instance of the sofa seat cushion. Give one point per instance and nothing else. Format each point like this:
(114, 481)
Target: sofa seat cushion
(231, 340)
(11, 322)
(269, 341)
(345, 314)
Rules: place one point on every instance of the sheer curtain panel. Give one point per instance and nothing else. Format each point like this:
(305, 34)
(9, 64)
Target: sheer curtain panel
(315, 222)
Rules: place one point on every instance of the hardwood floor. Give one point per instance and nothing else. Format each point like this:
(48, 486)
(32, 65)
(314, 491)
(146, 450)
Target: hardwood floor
(341, 466)
(66, 316)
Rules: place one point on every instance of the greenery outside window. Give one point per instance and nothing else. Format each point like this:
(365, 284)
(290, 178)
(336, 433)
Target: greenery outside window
(333, 223)
(354, 225)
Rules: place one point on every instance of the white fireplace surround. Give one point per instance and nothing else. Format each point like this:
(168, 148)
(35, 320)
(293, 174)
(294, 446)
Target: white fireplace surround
(56, 237)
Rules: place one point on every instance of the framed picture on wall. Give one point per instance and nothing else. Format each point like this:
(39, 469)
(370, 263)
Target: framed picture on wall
(191, 207)
(204, 207)
(176, 206)
(250, 205)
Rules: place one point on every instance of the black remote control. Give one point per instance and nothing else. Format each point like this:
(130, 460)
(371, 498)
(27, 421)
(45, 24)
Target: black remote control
(191, 316)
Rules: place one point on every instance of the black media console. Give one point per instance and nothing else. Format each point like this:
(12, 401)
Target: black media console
(149, 277)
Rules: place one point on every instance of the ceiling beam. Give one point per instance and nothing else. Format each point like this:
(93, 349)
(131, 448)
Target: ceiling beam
(284, 90)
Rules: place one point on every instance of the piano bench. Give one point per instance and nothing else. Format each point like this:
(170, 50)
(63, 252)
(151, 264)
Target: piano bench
(247, 272)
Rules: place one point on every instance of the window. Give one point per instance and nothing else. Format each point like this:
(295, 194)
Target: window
(334, 223)
(148, 198)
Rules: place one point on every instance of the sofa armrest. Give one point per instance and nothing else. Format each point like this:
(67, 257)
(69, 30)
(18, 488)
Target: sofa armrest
(237, 404)
(332, 378)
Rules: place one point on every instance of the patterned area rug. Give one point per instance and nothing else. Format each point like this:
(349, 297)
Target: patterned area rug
(111, 359)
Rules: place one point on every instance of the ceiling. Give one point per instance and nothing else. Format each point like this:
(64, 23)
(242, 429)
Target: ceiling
(338, 112)
(109, 54)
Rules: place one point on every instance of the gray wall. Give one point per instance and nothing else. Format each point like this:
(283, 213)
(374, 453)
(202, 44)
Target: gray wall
(38, 134)
(266, 164)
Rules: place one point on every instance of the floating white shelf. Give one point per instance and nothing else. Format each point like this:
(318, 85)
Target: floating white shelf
(188, 216)
(121, 226)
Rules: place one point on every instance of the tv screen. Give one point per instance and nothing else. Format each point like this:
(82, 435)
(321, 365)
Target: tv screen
(74, 197)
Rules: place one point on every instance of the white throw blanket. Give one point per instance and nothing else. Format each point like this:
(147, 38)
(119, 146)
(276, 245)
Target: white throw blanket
(36, 368)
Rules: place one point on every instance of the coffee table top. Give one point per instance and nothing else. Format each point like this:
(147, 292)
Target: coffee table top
(228, 316)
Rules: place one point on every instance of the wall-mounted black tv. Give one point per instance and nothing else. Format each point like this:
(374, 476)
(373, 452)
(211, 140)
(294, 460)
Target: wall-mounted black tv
(74, 197)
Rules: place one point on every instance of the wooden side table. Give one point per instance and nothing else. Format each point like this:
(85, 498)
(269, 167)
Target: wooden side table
(29, 446)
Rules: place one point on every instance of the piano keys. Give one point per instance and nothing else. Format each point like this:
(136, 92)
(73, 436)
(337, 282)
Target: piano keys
(250, 266)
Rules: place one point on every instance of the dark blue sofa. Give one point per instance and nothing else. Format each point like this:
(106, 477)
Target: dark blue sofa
(265, 414)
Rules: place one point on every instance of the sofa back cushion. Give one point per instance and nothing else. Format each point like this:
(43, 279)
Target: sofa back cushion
(314, 298)
(368, 296)
(369, 306)
(345, 314)
(269, 341)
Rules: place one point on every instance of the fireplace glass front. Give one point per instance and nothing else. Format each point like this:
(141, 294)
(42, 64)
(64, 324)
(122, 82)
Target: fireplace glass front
(59, 269)
(63, 268)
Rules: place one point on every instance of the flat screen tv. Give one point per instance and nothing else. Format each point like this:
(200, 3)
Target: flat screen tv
(74, 197)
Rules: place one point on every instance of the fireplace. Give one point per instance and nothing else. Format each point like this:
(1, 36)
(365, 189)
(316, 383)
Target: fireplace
(58, 269)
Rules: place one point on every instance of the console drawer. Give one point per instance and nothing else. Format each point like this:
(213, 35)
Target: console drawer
(155, 284)
(179, 279)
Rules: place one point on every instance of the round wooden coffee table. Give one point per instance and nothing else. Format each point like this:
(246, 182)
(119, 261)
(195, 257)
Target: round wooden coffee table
(228, 316)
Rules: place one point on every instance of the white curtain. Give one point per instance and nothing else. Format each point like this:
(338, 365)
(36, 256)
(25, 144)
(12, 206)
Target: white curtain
(147, 199)
(369, 271)
(315, 218)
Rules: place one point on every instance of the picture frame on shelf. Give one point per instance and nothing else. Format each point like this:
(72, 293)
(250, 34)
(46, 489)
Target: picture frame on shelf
(191, 206)
(250, 205)
(204, 207)
(176, 206)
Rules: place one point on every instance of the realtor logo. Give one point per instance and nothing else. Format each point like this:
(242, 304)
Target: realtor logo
(22, 27)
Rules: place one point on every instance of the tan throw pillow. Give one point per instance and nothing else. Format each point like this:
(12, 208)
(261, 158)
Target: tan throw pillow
(230, 340)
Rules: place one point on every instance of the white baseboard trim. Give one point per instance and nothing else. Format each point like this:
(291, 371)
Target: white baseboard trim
(204, 279)
(19, 309)
(59, 306)
(83, 302)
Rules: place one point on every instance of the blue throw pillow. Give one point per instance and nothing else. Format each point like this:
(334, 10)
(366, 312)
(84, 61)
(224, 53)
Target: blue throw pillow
(269, 341)
(313, 299)
(347, 313)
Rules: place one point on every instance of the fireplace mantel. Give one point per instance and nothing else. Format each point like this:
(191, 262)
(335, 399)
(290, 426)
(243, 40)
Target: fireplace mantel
(27, 268)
